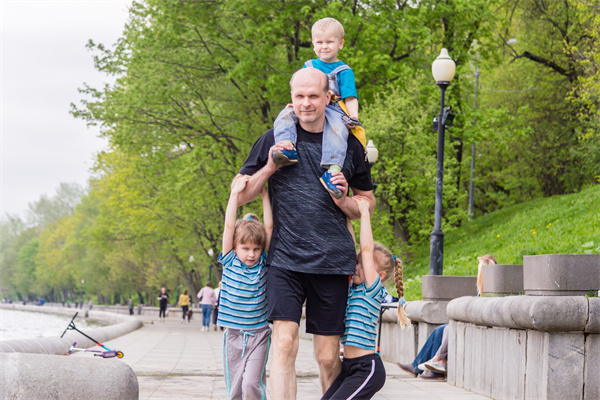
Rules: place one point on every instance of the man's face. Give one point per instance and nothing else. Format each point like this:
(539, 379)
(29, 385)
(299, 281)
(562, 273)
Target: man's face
(326, 45)
(309, 100)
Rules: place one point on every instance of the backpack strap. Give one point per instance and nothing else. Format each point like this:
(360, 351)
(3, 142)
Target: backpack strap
(333, 80)
(308, 64)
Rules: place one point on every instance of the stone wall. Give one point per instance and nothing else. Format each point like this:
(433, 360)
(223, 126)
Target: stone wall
(50, 374)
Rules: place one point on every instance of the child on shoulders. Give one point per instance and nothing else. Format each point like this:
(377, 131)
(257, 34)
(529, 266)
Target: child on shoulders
(363, 373)
(243, 304)
(328, 40)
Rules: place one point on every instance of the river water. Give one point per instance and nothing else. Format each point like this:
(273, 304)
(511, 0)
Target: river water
(33, 325)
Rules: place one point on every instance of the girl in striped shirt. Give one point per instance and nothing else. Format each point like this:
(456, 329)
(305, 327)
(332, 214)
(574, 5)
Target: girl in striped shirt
(363, 373)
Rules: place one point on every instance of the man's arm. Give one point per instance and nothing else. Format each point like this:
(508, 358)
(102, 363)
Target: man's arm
(345, 203)
(259, 178)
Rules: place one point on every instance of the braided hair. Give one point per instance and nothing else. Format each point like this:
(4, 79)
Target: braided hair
(389, 264)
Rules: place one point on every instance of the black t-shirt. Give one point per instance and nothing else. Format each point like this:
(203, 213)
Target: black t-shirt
(164, 299)
(310, 233)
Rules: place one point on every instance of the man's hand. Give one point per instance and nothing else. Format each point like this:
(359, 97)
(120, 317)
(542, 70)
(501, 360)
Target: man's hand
(339, 180)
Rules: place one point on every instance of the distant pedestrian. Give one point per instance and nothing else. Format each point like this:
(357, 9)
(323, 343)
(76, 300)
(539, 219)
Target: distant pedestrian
(184, 303)
(163, 299)
(207, 299)
(90, 304)
(243, 303)
(216, 308)
(130, 305)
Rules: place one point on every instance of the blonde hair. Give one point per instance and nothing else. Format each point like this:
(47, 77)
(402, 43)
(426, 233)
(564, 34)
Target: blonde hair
(249, 229)
(488, 259)
(390, 264)
(328, 24)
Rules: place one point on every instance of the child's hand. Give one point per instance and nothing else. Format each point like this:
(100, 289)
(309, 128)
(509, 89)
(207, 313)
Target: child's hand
(239, 183)
(264, 191)
(362, 203)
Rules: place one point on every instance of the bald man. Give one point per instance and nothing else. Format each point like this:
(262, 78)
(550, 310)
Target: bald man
(312, 252)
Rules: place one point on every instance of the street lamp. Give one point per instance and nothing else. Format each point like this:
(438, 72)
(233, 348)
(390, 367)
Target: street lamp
(443, 69)
(210, 254)
(372, 155)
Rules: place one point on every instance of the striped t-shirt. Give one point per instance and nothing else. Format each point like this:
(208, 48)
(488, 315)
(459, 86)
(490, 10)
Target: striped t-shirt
(362, 314)
(243, 303)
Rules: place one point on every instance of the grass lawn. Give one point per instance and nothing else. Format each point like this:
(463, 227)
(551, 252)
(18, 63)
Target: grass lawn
(568, 224)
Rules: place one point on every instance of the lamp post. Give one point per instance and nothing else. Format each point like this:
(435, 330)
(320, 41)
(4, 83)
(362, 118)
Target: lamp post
(372, 155)
(443, 69)
(210, 254)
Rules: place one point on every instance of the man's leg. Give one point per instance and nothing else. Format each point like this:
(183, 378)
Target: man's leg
(283, 364)
(327, 354)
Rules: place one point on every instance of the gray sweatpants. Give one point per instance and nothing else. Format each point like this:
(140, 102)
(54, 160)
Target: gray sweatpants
(245, 355)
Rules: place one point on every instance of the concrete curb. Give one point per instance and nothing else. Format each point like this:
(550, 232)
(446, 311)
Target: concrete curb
(542, 313)
(36, 376)
(121, 325)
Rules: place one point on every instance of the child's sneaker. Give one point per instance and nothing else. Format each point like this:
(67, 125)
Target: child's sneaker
(285, 157)
(331, 188)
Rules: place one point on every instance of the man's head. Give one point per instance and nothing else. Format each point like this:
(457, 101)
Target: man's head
(327, 39)
(310, 95)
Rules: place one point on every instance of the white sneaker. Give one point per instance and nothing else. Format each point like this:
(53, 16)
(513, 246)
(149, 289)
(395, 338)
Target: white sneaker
(435, 366)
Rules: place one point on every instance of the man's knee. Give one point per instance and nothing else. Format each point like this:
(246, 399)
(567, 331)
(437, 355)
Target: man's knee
(326, 350)
(285, 339)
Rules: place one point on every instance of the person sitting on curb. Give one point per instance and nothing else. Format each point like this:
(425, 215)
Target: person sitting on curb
(432, 357)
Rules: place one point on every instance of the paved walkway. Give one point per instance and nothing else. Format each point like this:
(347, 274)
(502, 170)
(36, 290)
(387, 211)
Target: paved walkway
(179, 361)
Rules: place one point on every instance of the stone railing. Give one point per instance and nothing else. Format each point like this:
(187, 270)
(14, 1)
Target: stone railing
(542, 345)
(51, 374)
(526, 347)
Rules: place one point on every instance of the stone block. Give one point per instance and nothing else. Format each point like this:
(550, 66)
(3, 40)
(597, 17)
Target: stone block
(451, 361)
(565, 365)
(513, 368)
(502, 280)
(468, 378)
(593, 323)
(536, 381)
(432, 312)
(592, 366)
(38, 376)
(460, 353)
(497, 361)
(478, 360)
(447, 287)
(561, 274)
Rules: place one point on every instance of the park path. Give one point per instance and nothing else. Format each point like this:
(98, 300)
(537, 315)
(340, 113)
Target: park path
(178, 361)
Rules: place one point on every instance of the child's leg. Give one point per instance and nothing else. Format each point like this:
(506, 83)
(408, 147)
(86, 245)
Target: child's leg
(284, 130)
(335, 138)
(254, 382)
(365, 376)
(285, 126)
(233, 363)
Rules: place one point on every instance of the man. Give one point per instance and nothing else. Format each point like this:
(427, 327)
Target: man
(312, 252)
(163, 298)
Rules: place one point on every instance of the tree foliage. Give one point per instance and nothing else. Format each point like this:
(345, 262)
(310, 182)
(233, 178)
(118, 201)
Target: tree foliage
(196, 83)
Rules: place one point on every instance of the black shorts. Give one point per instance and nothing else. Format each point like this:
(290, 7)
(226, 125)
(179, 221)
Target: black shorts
(325, 295)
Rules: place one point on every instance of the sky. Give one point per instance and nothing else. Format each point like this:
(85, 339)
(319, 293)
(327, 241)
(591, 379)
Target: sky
(43, 63)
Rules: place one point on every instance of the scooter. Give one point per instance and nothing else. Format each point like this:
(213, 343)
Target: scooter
(106, 353)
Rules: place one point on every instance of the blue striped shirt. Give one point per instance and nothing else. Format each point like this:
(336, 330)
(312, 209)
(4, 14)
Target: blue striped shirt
(362, 314)
(243, 303)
